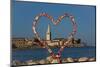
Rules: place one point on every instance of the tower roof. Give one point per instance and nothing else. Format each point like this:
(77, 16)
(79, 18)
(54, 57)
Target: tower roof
(48, 30)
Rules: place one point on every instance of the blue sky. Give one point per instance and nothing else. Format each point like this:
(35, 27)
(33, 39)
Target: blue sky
(23, 14)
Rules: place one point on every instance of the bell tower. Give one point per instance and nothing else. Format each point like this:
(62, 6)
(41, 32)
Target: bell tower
(48, 34)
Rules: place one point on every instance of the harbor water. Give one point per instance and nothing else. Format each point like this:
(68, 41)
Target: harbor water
(41, 53)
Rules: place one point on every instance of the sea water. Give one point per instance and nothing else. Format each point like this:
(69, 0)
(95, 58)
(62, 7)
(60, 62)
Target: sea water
(41, 53)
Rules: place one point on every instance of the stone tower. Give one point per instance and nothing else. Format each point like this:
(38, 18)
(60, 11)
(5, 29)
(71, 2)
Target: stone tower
(48, 34)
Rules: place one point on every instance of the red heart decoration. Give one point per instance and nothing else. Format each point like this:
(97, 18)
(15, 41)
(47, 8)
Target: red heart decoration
(55, 23)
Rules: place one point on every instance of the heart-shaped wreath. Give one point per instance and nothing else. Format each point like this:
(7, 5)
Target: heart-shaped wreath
(44, 43)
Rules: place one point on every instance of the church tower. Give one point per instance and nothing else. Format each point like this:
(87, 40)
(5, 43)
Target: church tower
(48, 34)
